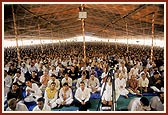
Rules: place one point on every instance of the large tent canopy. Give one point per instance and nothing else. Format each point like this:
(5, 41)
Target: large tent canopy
(60, 20)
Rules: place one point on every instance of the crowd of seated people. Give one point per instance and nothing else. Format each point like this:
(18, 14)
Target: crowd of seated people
(57, 76)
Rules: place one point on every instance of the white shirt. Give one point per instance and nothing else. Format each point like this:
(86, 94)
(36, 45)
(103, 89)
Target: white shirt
(121, 68)
(149, 65)
(119, 83)
(133, 71)
(69, 81)
(57, 70)
(93, 83)
(107, 95)
(45, 108)
(52, 72)
(6, 67)
(148, 75)
(24, 69)
(19, 107)
(108, 87)
(8, 81)
(79, 80)
(143, 83)
(68, 93)
(35, 88)
(21, 78)
(82, 95)
(156, 103)
(36, 65)
(32, 68)
(57, 83)
(135, 105)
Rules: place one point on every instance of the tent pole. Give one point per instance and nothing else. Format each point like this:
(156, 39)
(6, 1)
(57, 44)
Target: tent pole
(83, 33)
(40, 38)
(115, 42)
(153, 27)
(52, 39)
(16, 36)
(127, 36)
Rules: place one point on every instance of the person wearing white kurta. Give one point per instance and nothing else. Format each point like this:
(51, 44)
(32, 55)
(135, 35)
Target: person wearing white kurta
(83, 78)
(145, 71)
(14, 106)
(44, 80)
(32, 67)
(139, 104)
(53, 79)
(120, 84)
(41, 105)
(58, 69)
(134, 71)
(51, 95)
(19, 78)
(8, 83)
(123, 70)
(143, 82)
(109, 88)
(33, 92)
(52, 71)
(65, 95)
(24, 69)
(67, 79)
(93, 84)
(107, 98)
(107, 95)
(157, 102)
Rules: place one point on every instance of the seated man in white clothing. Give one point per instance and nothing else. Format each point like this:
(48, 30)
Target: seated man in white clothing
(52, 70)
(65, 96)
(67, 79)
(7, 82)
(19, 78)
(93, 84)
(120, 84)
(139, 104)
(82, 96)
(53, 79)
(33, 92)
(82, 79)
(41, 105)
(157, 102)
(44, 80)
(143, 83)
(14, 106)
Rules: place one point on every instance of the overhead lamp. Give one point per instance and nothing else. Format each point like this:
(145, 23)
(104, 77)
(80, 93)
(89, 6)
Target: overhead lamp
(82, 15)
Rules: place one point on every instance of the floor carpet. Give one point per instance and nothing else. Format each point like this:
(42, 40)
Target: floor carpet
(121, 104)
